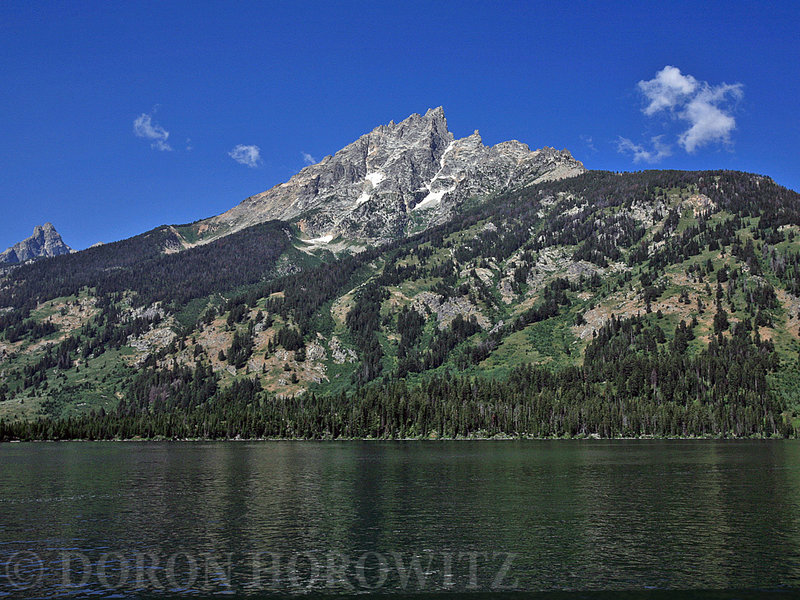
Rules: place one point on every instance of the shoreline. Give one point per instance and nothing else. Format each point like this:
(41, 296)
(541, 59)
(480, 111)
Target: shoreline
(416, 439)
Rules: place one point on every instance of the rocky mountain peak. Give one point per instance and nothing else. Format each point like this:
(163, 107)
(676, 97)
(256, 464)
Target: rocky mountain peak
(435, 113)
(44, 242)
(412, 171)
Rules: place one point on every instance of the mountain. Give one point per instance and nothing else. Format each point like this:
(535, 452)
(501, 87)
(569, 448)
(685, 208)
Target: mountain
(397, 179)
(656, 303)
(45, 242)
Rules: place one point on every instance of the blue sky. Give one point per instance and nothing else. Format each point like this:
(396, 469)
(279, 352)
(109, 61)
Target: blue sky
(119, 117)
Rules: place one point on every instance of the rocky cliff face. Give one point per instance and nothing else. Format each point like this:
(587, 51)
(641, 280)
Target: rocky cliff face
(44, 242)
(412, 172)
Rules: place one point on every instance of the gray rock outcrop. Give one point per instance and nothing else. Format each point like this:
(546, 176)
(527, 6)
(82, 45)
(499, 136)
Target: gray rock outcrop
(44, 242)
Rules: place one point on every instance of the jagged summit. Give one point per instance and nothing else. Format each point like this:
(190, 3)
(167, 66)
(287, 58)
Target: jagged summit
(44, 242)
(372, 189)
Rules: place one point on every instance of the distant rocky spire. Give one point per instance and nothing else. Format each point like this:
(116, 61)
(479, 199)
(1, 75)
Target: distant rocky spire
(44, 242)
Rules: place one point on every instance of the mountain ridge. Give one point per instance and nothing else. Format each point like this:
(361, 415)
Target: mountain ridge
(396, 179)
(658, 303)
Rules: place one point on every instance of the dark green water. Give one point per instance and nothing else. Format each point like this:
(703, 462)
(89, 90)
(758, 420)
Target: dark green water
(419, 518)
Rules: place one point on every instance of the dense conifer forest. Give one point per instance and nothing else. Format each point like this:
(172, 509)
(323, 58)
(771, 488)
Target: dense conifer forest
(629, 386)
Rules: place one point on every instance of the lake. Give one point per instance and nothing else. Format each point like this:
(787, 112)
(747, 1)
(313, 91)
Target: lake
(423, 519)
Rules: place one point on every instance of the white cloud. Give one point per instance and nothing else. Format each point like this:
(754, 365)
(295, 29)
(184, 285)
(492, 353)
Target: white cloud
(249, 156)
(667, 89)
(642, 154)
(709, 121)
(144, 127)
(704, 107)
(307, 158)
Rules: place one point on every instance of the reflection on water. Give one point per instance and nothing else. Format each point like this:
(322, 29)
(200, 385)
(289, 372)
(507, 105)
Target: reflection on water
(434, 517)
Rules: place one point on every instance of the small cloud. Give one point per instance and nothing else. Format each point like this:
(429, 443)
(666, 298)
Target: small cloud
(589, 142)
(249, 156)
(667, 89)
(705, 110)
(189, 146)
(704, 107)
(308, 159)
(144, 127)
(640, 153)
(708, 118)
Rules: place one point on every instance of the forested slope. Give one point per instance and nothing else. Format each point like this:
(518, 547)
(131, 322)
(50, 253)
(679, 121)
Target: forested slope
(655, 303)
